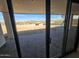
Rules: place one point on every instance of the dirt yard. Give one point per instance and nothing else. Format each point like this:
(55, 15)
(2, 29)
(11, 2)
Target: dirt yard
(26, 27)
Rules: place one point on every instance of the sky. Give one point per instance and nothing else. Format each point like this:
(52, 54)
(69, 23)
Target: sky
(32, 17)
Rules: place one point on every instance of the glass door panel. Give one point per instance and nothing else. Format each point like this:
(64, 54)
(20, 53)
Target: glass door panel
(73, 24)
(30, 25)
(58, 10)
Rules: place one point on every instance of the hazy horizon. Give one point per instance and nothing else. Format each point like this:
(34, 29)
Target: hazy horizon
(32, 17)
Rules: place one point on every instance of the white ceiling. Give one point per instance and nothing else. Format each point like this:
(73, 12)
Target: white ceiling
(36, 6)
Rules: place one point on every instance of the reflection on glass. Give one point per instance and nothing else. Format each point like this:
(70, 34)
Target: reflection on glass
(56, 31)
(2, 24)
(58, 10)
(72, 33)
(7, 43)
(73, 28)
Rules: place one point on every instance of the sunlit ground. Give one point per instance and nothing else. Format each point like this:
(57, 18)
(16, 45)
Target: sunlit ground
(26, 27)
(33, 45)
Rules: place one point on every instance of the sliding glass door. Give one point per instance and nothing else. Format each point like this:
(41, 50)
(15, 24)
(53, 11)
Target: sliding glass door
(58, 10)
(73, 24)
(41, 28)
(30, 21)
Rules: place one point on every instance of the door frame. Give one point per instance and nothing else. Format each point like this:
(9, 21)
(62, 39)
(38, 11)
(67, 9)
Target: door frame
(64, 53)
(11, 13)
(66, 26)
(48, 14)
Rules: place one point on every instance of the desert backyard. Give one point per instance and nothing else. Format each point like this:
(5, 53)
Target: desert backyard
(32, 40)
(27, 27)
